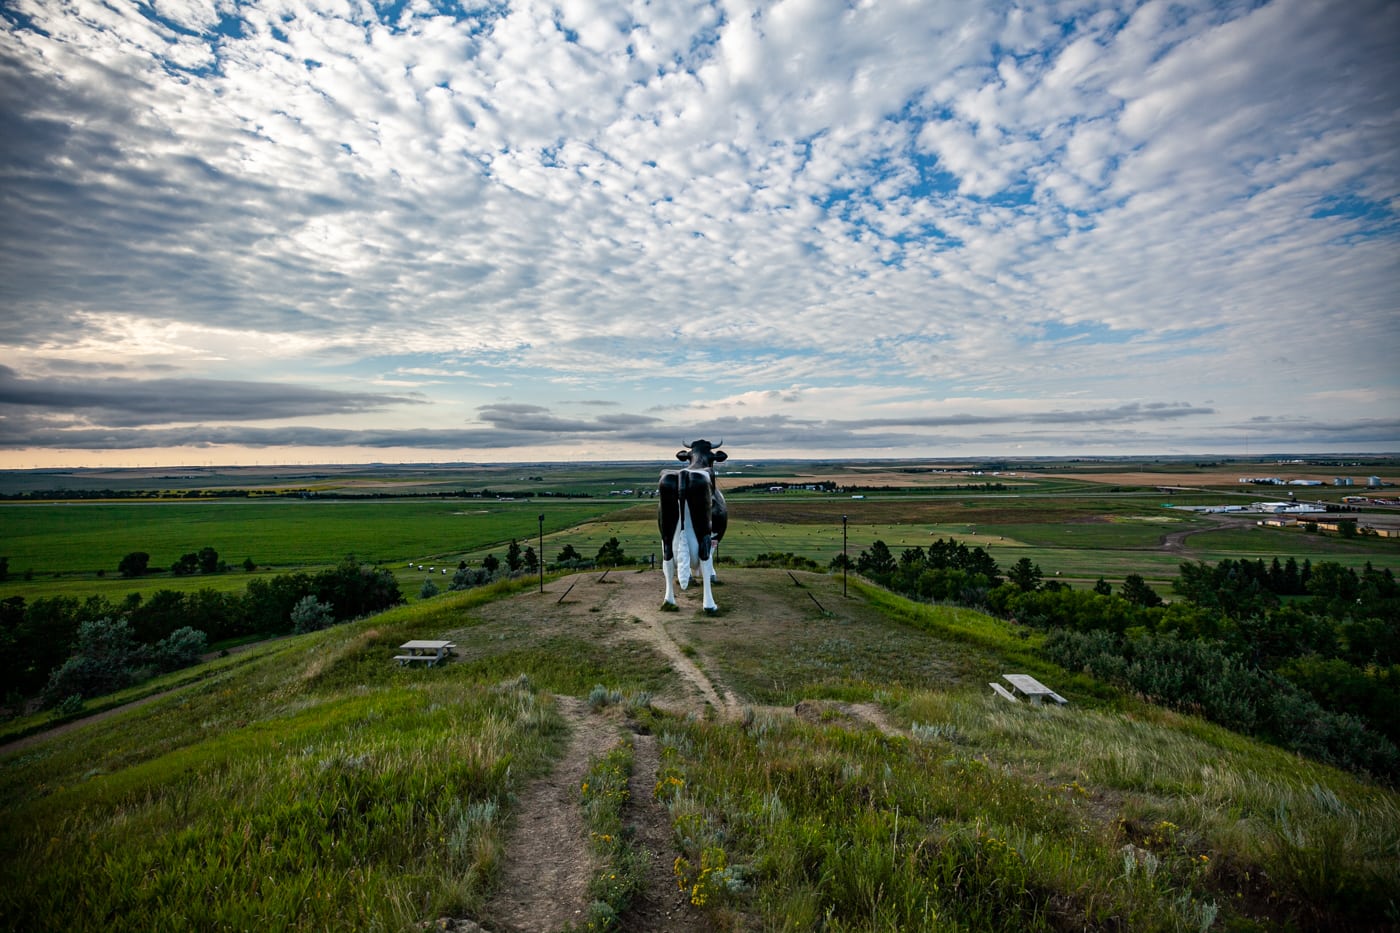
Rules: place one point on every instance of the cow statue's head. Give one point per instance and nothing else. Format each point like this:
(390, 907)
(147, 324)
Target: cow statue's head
(702, 454)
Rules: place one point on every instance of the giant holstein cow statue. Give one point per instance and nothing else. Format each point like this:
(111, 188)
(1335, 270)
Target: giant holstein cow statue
(693, 517)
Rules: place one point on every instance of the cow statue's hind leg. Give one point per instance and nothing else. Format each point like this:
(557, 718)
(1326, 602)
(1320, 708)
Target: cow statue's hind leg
(699, 503)
(668, 519)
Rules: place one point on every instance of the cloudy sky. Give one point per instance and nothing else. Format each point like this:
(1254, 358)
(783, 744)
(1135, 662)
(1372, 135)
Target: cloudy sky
(267, 232)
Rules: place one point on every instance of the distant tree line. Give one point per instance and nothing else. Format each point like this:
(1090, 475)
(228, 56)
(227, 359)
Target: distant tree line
(205, 560)
(38, 637)
(60, 495)
(1305, 656)
(525, 561)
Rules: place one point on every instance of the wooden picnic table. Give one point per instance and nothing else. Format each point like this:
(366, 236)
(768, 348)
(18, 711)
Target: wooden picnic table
(424, 651)
(1030, 688)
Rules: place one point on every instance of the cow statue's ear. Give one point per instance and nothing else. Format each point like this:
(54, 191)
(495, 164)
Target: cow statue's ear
(721, 456)
(682, 455)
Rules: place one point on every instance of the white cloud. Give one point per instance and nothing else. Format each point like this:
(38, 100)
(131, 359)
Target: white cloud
(1056, 201)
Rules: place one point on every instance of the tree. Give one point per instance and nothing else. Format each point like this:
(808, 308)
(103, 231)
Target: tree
(466, 578)
(878, 563)
(491, 563)
(180, 648)
(208, 560)
(311, 615)
(1026, 575)
(104, 659)
(268, 604)
(214, 613)
(1331, 580)
(1136, 591)
(4, 568)
(354, 589)
(186, 565)
(428, 590)
(530, 559)
(248, 564)
(1103, 587)
(135, 564)
(158, 616)
(568, 553)
(611, 554)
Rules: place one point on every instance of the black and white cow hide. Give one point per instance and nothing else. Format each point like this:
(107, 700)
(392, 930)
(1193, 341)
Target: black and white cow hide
(692, 517)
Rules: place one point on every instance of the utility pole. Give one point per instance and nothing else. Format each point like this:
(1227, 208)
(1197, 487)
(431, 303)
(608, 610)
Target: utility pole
(845, 561)
(540, 560)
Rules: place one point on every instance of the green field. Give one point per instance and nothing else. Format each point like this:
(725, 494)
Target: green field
(82, 538)
(1080, 534)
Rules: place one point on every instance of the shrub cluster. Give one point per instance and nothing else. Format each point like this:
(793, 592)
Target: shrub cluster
(1202, 677)
(1319, 675)
(107, 658)
(36, 638)
(784, 560)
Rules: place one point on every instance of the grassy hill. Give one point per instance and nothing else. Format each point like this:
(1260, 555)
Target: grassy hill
(801, 760)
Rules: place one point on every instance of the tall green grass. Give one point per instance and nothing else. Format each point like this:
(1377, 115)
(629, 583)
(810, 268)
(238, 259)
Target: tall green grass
(1000, 818)
(352, 812)
(811, 827)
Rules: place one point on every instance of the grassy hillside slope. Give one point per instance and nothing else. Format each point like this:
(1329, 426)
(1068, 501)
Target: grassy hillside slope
(817, 761)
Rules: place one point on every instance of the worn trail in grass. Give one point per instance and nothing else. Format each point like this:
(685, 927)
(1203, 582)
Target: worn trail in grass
(548, 865)
(545, 878)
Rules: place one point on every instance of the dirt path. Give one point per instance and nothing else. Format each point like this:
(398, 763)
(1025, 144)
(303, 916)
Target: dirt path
(19, 745)
(661, 905)
(1176, 540)
(548, 865)
(639, 598)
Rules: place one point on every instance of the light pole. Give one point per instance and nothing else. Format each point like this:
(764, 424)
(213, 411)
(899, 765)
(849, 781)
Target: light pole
(540, 558)
(844, 560)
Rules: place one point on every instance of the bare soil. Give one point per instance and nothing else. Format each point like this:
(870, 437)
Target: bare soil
(661, 904)
(548, 865)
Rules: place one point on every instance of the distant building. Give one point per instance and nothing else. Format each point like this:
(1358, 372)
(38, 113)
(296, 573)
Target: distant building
(1342, 481)
(1287, 508)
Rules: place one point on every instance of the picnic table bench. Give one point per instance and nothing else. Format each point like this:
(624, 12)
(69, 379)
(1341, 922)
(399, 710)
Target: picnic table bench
(422, 651)
(1027, 686)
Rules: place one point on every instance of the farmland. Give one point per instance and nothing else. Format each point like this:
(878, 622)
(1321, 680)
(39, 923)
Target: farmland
(1079, 521)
